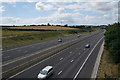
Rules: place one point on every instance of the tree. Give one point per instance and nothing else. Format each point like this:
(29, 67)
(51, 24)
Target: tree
(112, 42)
(48, 24)
(66, 25)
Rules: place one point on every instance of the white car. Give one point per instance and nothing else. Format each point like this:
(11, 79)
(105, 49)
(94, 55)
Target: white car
(45, 72)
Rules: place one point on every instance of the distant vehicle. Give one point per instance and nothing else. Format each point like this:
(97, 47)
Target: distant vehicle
(1, 49)
(87, 31)
(87, 46)
(59, 39)
(78, 36)
(45, 72)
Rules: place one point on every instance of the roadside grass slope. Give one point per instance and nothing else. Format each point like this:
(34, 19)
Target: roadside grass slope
(106, 68)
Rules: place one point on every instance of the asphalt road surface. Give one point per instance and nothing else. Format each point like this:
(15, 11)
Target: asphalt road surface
(11, 54)
(73, 62)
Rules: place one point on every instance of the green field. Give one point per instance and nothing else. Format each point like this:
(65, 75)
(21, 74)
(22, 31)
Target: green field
(6, 33)
(13, 38)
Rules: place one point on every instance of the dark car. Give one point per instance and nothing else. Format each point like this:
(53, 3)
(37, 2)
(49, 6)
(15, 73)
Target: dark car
(59, 39)
(78, 36)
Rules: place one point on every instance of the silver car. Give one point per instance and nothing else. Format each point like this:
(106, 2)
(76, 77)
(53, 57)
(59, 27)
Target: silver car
(87, 46)
(45, 72)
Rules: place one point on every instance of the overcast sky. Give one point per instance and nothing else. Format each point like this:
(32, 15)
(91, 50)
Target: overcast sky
(53, 12)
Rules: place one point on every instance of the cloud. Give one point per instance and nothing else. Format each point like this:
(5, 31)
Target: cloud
(101, 7)
(73, 6)
(80, 0)
(108, 11)
(9, 1)
(11, 20)
(64, 18)
(57, 0)
(2, 9)
(31, 0)
(42, 6)
(61, 10)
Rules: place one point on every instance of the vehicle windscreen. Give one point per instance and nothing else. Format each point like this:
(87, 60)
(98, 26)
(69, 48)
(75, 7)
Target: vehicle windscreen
(43, 72)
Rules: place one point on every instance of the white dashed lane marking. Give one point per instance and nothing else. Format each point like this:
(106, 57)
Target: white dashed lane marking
(71, 60)
(71, 52)
(61, 58)
(59, 72)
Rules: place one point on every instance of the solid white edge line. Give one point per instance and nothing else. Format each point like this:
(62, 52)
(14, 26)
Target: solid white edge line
(39, 62)
(29, 46)
(96, 67)
(33, 65)
(42, 50)
(86, 59)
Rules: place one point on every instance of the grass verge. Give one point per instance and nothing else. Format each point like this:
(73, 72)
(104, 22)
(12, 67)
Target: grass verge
(12, 39)
(106, 68)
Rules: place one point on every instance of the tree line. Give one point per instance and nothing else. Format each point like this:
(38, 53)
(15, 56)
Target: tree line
(112, 42)
(65, 25)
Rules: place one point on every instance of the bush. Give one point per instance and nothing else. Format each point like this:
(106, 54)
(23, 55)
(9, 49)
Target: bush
(72, 31)
(112, 42)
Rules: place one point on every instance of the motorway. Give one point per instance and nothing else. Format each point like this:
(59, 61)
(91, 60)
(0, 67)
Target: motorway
(73, 62)
(11, 54)
(17, 56)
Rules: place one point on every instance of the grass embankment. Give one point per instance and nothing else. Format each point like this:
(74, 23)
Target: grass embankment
(13, 38)
(108, 69)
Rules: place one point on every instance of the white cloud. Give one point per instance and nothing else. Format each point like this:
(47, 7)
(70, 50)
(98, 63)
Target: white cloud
(65, 18)
(2, 9)
(61, 10)
(80, 0)
(11, 20)
(101, 7)
(42, 6)
(108, 11)
(9, 1)
(31, 0)
(57, 0)
(73, 6)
